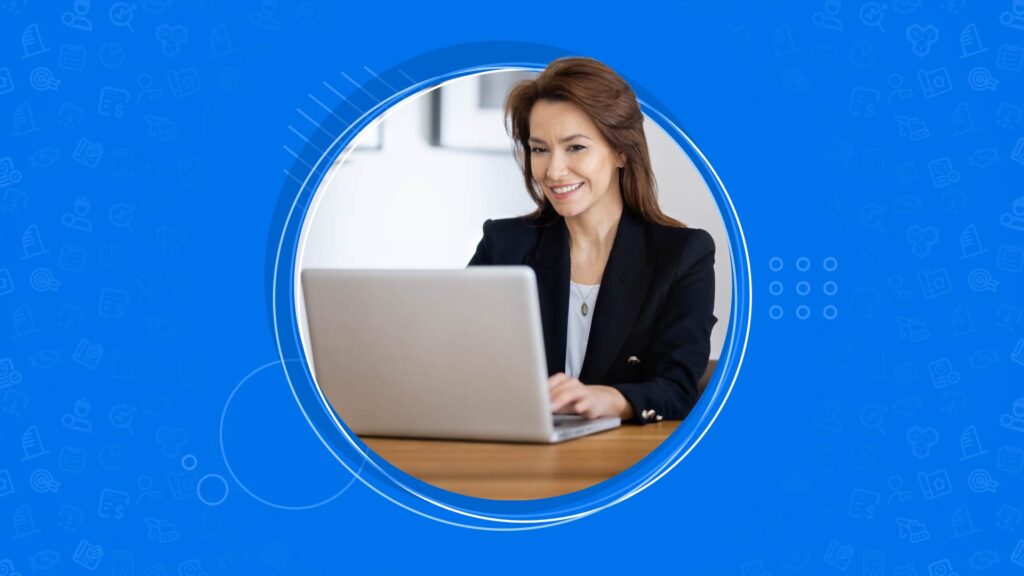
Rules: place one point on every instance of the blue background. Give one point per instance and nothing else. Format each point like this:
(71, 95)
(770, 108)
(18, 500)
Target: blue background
(140, 382)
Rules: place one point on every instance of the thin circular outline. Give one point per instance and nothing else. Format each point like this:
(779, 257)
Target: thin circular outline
(803, 288)
(830, 263)
(830, 287)
(803, 312)
(830, 312)
(775, 264)
(351, 132)
(199, 491)
(193, 462)
(803, 264)
(775, 288)
(775, 312)
(231, 472)
(653, 477)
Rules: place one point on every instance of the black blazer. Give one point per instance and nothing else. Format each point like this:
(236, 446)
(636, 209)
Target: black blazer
(650, 335)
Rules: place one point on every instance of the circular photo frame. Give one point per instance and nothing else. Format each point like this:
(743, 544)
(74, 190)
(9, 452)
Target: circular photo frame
(312, 163)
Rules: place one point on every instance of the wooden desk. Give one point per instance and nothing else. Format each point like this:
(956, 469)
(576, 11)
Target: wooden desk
(522, 471)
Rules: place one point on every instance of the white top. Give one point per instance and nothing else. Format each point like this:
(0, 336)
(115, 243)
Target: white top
(577, 332)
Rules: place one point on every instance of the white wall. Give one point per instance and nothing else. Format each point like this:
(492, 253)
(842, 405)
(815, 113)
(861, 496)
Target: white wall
(413, 205)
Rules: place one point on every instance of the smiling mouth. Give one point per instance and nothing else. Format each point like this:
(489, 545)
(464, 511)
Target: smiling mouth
(563, 191)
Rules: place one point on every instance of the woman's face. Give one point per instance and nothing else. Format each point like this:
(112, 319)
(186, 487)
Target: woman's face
(573, 164)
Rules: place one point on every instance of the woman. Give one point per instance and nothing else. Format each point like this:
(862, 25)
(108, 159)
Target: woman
(626, 293)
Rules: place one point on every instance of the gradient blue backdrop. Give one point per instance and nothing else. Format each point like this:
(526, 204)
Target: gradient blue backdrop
(145, 428)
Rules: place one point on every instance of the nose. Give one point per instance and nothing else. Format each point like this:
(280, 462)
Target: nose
(557, 166)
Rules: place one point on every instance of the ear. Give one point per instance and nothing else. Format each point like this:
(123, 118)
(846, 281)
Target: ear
(622, 160)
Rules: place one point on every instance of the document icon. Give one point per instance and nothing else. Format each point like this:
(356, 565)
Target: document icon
(32, 443)
(863, 101)
(1010, 58)
(1011, 258)
(113, 101)
(113, 503)
(113, 303)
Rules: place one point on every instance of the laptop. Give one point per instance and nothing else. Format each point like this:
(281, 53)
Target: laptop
(455, 354)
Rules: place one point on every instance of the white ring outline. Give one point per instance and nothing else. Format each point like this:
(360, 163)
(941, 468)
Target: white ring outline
(211, 502)
(341, 429)
(231, 472)
(366, 118)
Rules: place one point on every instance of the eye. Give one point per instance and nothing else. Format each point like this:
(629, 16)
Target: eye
(577, 148)
(538, 150)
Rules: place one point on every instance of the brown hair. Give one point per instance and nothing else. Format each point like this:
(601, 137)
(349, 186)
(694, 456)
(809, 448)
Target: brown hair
(609, 101)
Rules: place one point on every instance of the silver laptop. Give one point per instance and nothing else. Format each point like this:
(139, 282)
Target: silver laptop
(435, 354)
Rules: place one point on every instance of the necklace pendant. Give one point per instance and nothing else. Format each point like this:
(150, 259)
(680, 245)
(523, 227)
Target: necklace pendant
(584, 309)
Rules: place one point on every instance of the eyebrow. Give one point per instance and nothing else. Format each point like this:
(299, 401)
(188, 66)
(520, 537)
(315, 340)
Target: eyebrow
(563, 140)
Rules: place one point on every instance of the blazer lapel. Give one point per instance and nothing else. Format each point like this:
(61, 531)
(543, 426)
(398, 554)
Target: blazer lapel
(624, 285)
(551, 265)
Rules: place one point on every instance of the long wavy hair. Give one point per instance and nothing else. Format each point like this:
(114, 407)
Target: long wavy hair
(609, 101)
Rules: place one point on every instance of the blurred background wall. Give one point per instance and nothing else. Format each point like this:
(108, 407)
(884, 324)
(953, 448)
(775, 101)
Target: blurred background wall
(414, 189)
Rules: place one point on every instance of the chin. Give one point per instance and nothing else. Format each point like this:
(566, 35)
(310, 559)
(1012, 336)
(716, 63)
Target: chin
(567, 209)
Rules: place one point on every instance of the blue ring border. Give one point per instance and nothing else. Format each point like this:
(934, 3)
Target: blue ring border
(448, 507)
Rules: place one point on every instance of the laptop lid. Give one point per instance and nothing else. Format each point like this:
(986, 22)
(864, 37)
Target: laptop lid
(431, 353)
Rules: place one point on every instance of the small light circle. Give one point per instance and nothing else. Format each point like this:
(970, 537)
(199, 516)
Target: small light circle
(830, 264)
(212, 489)
(830, 312)
(803, 264)
(803, 312)
(830, 288)
(775, 312)
(803, 288)
(775, 288)
(775, 264)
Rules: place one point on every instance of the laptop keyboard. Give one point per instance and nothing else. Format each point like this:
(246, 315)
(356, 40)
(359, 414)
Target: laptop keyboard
(562, 420)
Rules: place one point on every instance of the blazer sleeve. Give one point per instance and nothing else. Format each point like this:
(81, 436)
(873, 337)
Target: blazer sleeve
(682, 339)
(486, 250)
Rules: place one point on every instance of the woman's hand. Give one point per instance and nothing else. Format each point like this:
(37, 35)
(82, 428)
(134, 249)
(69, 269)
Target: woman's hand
(570, 396)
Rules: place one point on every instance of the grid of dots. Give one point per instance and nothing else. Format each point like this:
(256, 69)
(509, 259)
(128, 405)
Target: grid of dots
(802, 288)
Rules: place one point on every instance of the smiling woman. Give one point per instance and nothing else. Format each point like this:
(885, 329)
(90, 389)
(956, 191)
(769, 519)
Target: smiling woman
(627, 294)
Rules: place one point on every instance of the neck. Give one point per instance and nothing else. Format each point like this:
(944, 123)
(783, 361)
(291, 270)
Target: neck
(593, 232)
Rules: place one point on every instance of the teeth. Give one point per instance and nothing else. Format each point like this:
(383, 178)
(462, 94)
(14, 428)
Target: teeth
(566, 189)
